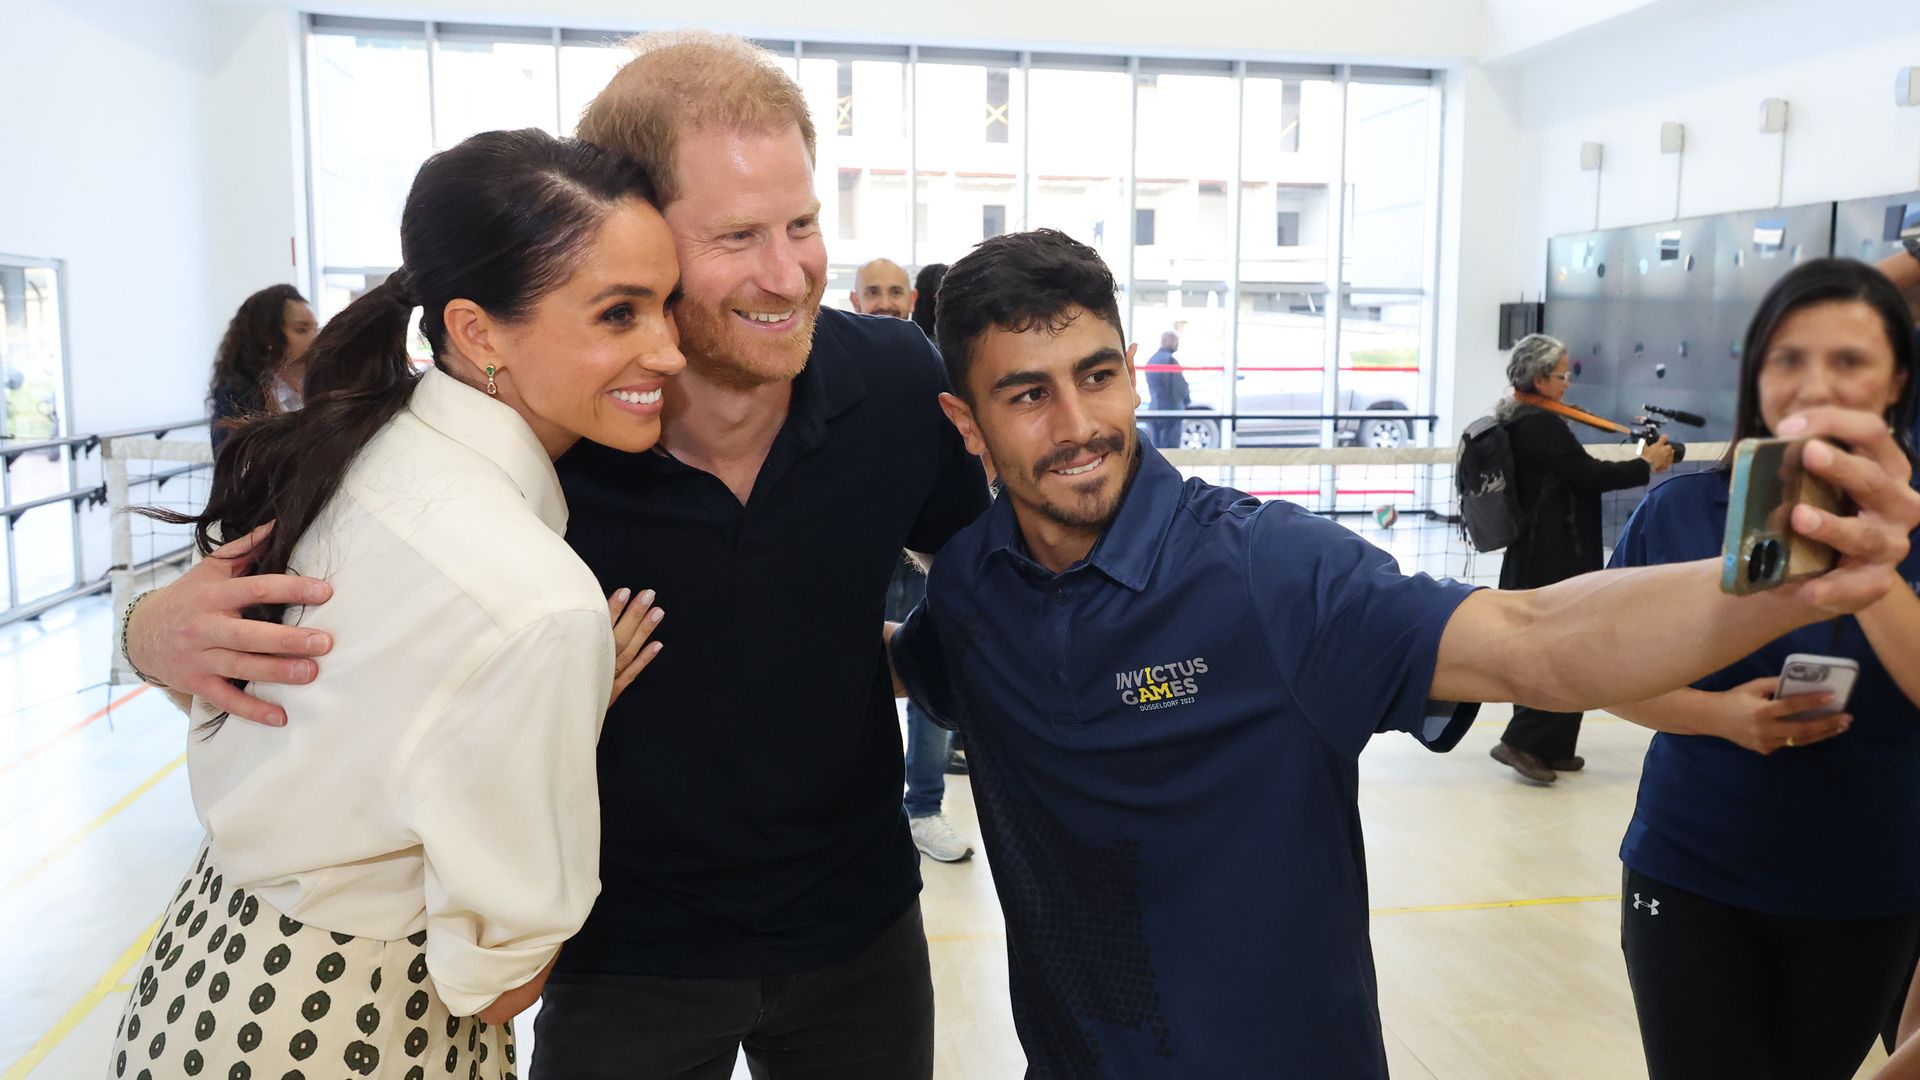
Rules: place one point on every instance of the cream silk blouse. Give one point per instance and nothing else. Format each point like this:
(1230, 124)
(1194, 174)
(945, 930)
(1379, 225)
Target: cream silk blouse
(439, 774)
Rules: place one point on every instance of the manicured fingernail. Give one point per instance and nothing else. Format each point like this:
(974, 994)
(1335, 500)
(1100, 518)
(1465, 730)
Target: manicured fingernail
(620, 596)
(647, 597)
(316, 642)
(1791, 426)
(316, 593)
(655, 647)
(278, 719)
(657, 614)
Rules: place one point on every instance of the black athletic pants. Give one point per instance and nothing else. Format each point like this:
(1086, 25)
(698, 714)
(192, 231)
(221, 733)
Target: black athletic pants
(1548, 734)
(1726, 992)
(870, 1018)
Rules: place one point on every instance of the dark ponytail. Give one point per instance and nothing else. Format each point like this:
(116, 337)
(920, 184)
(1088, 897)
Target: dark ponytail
(499, 220)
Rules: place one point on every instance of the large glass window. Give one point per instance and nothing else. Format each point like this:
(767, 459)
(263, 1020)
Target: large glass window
(968, 121)
(480, 84)
(372, 127)
(862, 125)
(1214, 191)
(1289, 151)
(1384, 362)
(1080, 125)
(585, 69)
(37, 555)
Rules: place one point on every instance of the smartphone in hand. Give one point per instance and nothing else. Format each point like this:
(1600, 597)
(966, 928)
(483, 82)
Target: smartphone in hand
(1761, 551)
(1805, 673)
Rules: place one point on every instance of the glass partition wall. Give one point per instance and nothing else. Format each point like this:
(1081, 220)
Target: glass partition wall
(1280, 220)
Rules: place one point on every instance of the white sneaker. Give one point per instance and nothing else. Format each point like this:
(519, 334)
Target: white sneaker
(935, 836)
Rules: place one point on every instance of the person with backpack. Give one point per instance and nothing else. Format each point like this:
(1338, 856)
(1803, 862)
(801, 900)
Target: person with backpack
(1555, 488)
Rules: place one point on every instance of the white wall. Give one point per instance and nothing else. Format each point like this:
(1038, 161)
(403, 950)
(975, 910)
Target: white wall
(150, 147)
(1709, 68)
(103, 140)
(1513, 138)
(257, 158)
(1511, 27)
(1478, 231)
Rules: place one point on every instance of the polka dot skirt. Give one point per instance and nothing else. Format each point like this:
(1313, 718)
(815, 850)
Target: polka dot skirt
(234, 990)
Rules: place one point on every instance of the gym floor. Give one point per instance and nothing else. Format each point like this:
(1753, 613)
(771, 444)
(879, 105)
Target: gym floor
(1495, 926)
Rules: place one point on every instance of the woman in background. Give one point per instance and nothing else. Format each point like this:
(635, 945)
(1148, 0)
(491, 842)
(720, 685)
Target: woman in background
(926, 287)
(1560, 487)
(261, 363)
(1771, 903)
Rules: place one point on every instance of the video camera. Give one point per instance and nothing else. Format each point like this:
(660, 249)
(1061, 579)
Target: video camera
(1649, 426)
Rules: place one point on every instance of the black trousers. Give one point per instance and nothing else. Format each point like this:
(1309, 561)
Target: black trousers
(1548, 734)
(1725, 992)
(869, 1018)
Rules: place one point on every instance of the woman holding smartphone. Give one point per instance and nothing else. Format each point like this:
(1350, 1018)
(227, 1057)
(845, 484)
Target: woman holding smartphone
(1767, 933)
(386, 882)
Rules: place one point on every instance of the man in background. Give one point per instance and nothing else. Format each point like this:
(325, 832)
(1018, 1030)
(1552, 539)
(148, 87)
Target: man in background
(1166, 390)
(880, 288)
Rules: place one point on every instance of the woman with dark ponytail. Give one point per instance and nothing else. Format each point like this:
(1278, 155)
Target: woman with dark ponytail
(261, 360)
(385, 883)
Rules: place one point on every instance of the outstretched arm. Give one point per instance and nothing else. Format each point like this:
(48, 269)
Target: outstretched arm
(1631, 635)
(1614, 635)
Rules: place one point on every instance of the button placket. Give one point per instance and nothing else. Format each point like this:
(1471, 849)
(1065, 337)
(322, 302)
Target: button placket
(1060, 631)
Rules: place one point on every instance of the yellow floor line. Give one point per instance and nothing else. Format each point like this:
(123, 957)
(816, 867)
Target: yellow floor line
(106, 984)
(1544, 901)
(92, 827)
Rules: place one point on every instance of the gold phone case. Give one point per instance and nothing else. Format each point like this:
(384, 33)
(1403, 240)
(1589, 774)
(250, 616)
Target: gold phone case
(1761, 550)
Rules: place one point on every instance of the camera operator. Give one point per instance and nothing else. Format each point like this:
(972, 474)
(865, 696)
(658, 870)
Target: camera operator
(1771, 906)
(1560, 487)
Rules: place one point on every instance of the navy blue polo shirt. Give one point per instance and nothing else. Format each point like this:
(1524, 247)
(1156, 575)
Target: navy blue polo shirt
(750, 780)
(1828, 831)
(1163, 743)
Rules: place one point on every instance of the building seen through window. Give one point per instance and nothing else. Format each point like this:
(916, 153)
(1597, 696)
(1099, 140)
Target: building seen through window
(1290, 295)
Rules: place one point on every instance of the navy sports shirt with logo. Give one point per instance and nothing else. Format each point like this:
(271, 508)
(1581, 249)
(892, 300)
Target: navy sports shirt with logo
(1163, 743)
(1827, 831)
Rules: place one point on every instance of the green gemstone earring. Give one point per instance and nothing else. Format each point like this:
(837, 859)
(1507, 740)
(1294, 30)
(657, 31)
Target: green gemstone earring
(491, 387)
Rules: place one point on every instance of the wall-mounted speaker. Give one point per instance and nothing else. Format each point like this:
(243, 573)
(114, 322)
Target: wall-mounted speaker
(1519, 320)
(1773, 116)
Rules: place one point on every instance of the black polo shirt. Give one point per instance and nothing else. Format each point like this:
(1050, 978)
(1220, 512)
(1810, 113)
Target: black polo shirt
(750, 779)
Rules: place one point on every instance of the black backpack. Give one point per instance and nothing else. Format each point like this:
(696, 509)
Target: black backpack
(1490, 513)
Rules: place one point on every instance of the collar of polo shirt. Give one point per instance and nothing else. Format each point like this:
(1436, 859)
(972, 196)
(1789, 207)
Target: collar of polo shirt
(1128, 549)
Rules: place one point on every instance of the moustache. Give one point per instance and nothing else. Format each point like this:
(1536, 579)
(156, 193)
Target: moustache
(1104, 444)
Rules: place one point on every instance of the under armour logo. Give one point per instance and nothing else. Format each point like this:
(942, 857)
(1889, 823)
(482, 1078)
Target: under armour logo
(1652, 906)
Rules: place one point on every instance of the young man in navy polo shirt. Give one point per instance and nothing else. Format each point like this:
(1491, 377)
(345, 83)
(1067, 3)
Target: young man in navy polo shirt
(1165, 687)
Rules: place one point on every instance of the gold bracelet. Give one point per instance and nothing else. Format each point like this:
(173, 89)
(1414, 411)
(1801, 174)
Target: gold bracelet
(126, 654)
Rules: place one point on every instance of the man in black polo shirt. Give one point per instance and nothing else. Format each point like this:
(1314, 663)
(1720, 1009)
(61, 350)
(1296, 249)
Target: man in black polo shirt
(759, 883)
